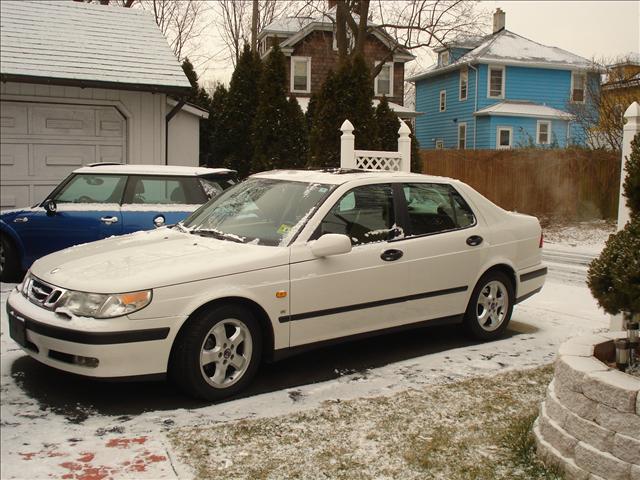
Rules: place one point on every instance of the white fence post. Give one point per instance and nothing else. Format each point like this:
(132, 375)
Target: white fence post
(347, 146)
(632, 116)
(404, 147)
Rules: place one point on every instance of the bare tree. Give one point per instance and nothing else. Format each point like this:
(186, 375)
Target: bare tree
(235, 21)
(608, 92)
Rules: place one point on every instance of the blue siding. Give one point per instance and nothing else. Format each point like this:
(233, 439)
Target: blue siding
(538, 85)
(436, 125)
(525, 132)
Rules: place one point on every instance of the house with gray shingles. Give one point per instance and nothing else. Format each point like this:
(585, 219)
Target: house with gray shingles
(84, 83)
(501, 91)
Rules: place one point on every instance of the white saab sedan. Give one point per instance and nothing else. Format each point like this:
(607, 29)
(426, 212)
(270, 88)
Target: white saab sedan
(283, 262)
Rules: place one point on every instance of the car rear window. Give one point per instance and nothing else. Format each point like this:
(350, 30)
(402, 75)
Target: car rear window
(435, 207)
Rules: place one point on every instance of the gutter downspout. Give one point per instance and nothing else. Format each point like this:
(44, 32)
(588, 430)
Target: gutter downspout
(178, 106)
(475, 108)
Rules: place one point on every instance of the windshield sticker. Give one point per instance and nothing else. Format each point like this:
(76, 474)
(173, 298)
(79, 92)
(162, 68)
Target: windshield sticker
(284, 228)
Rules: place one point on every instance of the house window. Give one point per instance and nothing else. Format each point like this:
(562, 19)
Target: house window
(504, 137)
(443, 100)
(544, 132)
(495, 85)
(578, 85)
(439, 144)
(384, 80)
(351, 41)
(464, 83)
(301, 74)
(462, 136)
(444, 58)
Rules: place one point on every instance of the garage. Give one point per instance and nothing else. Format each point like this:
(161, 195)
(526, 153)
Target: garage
(43, 142)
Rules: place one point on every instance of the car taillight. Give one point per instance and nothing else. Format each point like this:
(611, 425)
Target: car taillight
(541, 239)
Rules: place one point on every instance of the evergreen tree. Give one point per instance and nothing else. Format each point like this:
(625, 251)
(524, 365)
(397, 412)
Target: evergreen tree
(297, 138)
(631, 184)
(387, 126)
(271, 120)
(345, 94)
(218, 127)
(614, 277)
(241, 105)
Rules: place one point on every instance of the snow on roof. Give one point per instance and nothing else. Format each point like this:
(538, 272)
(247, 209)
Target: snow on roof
(336, 177)
(508, 48)
(401, 111)
(152, 170)
(523, 109)
(91, 44)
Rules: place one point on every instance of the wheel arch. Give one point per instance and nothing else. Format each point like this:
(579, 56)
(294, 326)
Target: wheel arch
(505, 268)
(257, 310)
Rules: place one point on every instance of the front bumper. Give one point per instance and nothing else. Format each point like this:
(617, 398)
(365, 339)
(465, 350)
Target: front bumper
(121, 346)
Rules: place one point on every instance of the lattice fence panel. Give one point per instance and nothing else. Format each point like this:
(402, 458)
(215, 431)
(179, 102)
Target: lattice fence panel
(375, 161)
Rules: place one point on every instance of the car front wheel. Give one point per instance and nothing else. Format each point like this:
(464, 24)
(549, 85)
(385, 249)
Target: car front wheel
(490, 306)
(9, 264)
(218, 353)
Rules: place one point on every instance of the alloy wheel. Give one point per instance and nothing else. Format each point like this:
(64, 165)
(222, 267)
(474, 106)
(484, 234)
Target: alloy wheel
(492, 306)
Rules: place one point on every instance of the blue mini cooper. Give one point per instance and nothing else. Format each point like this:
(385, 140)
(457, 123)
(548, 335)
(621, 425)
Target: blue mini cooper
(102, 200)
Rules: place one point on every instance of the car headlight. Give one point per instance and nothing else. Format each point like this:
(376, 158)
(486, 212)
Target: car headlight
(99, 305)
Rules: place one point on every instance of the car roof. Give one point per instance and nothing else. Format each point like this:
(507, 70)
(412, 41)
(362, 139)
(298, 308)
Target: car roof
(153, 170)
(338, 176)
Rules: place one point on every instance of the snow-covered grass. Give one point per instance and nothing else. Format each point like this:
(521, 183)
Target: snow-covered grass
(588, 236)
(467, 429)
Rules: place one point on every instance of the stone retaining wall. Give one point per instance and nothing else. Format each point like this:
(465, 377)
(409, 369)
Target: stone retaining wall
(589, 423)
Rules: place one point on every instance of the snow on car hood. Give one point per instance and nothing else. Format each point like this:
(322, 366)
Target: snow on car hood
(151, 259)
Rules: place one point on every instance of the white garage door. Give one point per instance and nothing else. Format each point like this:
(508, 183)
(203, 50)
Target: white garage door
(41, 143)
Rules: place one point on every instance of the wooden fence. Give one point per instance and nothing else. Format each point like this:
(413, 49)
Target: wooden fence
(572, 183)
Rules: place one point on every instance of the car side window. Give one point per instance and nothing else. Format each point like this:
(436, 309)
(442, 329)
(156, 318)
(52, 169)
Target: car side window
(89, 188)
(435, 207)
(365, 214)
(163, 190)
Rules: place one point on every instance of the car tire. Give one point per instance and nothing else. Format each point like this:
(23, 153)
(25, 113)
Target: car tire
(217, 353)
(9, 262)
(490, 306)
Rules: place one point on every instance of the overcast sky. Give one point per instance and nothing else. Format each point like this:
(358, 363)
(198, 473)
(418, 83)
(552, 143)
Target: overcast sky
(592, 29)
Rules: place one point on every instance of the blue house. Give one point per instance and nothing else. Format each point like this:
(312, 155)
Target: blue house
(501, 91)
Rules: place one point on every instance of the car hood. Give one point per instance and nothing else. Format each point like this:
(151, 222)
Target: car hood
(151, 259)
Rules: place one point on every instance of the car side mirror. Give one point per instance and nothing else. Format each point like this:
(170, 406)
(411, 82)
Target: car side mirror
(50, 206)
(331, 244)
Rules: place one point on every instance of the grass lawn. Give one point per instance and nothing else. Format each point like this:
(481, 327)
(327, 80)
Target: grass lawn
(474, 429)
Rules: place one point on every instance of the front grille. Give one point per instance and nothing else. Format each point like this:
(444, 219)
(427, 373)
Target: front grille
(42, 293)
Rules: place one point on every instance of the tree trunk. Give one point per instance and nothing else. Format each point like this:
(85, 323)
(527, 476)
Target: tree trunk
(254, 27)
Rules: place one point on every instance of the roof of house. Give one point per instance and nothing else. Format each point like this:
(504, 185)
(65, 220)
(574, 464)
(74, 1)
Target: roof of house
(508, 48)
(523, 109)
(89, 45)
(297, 28)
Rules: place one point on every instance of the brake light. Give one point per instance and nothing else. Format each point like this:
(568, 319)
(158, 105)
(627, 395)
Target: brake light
(541, 239)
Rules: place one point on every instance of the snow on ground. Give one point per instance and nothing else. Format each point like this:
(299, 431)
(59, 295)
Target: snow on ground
(86, 439)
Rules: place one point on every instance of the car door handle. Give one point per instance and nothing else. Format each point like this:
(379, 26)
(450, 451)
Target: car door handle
(391, 255)
(108, 220)
(474, 240)
(21, 220)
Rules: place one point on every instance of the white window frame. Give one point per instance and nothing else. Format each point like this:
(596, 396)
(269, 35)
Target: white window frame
(439, 144)
(504, 147)
(464, 72)
(440, 103)
(539, 123)
(444, 55)
(584, 90)
(350, 41)
(292, 72)
(504, 80)
(460, 125)
(375, 81)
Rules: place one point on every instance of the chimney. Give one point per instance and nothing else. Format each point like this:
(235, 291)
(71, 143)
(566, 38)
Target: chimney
(498, 20)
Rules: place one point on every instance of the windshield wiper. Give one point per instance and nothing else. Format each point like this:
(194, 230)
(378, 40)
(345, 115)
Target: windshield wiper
(218, 234)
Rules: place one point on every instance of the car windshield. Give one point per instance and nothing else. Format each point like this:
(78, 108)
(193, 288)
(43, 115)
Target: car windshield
(260, 211)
